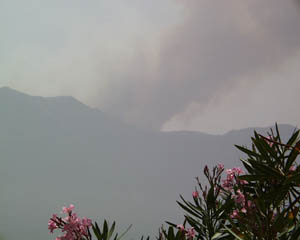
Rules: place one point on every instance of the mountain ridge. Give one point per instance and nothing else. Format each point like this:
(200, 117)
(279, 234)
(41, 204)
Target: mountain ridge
(65, 100)
(53, 154)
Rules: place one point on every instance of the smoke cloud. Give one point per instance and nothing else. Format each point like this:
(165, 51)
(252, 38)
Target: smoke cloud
(146, 63)
(217, 46)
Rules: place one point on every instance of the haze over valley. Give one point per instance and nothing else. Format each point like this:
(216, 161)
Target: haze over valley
(56, 151)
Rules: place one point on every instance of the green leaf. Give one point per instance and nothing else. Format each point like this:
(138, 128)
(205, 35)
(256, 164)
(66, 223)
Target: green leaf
(250, 178)
(216, 235)
(293, 138)
(265, 169)
(292, 178)
(97, 231)
(172, 224)
(171, 235)
(247, 151)
(196, 211)
(195, 224)
(292, 157)
(271, 151)
(247, 165)
(259, 144)
(105, 230)
(211, 203)
(233, 233)
(111, 231)
(179, 235)
(296, 233)
(122, 235)
(277, 132)
(189, 210)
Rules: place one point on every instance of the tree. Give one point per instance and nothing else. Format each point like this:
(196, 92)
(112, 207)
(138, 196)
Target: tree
(261, 204)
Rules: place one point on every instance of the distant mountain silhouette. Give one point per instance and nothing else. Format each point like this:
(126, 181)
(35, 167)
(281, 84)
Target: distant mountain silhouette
(56, 151)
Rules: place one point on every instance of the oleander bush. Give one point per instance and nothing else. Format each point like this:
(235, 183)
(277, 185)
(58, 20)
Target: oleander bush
(259, 201)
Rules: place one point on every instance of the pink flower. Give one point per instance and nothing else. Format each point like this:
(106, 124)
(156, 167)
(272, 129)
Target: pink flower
(229, 172)
(238, 170)
(269, 141)
(52, 225)
(73, 227)
(68, 210)
(227, 184)
(293, 168)
(239, 197)
(220, 166)
(235, 214)
(204, 192)
(250, 204)
(243, 182)
(195, 194)
(244, 210)
(86, 222)
(191, 233)
(181, 227)
(230, 180)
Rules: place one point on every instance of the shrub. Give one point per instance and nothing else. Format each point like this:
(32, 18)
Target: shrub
(262, 203)
(258, 203)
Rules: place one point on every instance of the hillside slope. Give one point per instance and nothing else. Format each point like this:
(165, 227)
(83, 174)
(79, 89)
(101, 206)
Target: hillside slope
(56, 151)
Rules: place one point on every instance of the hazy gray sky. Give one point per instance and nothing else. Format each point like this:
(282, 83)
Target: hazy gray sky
(164, 64)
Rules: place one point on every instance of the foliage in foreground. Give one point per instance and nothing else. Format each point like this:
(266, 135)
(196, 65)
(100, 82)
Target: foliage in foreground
(260, 203)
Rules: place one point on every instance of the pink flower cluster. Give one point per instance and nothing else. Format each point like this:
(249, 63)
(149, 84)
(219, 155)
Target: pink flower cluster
(220, 166)
(245, 206)
(293, 168)
(73, 227)
(239, 197)
(269, 140)
(195, 194)
(189, 232)
(231, 178)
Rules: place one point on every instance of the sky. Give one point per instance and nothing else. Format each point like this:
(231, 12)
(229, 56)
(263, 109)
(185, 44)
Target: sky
(199, 65)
